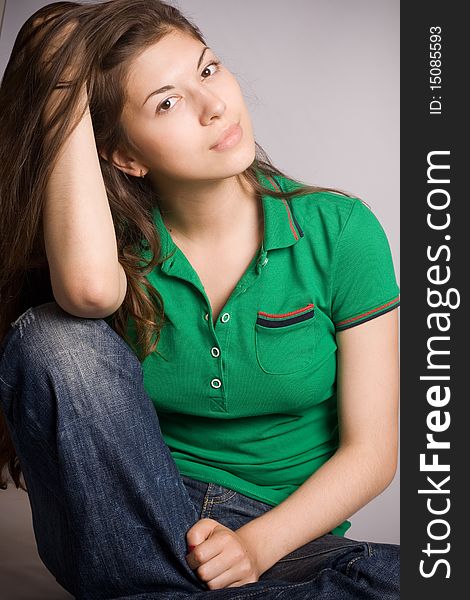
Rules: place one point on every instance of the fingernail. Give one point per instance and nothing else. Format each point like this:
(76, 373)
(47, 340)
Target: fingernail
(191, 548)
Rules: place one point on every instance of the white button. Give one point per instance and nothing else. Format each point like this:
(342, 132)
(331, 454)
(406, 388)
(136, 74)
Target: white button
(215, 351)
(225, 317)
(206, 316)
(216, 383)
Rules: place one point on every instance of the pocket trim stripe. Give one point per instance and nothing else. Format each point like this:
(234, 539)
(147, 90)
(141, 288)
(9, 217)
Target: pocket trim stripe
(283, 319)
(288, 314)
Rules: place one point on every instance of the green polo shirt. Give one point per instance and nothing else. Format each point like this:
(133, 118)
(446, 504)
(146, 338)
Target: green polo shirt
(250, 402)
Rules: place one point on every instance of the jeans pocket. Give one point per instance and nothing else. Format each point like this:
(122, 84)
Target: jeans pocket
(309, 560)
(219, 494)
(216, 496)
(230, 508)
(321, 546)
(361, 552)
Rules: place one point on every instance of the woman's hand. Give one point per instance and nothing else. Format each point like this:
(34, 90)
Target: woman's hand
(221, 557)
(55, 45)
(46, 61)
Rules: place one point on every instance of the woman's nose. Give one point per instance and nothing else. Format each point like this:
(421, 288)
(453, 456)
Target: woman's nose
(211, 105)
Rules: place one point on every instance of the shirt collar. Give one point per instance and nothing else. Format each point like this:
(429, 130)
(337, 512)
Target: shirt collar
(281, 228)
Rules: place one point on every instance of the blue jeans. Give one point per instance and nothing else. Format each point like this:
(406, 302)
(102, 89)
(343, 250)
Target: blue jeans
(110, 509)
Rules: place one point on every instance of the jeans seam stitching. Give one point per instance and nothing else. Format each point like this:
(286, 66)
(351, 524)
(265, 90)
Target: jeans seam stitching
(315, 553)
(351, 562)
(204, 505)
(223, 498)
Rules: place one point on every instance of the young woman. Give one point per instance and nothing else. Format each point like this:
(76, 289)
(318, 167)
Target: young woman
(199, 364)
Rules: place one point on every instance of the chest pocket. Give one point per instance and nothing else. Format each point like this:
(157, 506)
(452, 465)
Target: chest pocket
(285, 342)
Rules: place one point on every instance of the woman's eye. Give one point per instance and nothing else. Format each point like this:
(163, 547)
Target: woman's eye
(163, 106)
(216, 63)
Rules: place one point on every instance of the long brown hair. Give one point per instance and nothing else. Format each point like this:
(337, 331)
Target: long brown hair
(108, 37)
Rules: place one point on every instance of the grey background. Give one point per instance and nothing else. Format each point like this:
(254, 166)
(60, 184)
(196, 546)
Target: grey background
(321, 79)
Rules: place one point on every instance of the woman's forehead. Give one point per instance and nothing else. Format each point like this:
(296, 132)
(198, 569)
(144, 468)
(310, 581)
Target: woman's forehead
(174, 48)
(163, 63)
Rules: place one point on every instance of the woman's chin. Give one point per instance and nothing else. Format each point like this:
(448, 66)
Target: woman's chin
(236, 162)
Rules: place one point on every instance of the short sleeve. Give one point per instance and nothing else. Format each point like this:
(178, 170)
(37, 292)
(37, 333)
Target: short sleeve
(363, 284)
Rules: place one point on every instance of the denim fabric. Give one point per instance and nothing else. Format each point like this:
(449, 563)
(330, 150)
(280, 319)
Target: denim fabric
(110, 509)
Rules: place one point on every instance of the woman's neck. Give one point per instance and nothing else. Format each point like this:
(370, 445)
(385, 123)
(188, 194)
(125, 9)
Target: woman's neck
(212, 214)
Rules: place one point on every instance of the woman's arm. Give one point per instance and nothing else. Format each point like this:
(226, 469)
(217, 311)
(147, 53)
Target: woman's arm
(86, 277)
(365, 462)
(80, 242)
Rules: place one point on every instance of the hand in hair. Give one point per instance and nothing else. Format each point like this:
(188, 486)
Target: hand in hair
(50, 37)
(56, 41)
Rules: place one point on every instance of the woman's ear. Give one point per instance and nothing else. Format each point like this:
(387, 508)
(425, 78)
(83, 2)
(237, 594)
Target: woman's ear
(121, 160)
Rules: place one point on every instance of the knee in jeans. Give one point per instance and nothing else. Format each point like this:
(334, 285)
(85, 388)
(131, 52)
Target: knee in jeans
(47, 327)
(52, 357)
(46, 333)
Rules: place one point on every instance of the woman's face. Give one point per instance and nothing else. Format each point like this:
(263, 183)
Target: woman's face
(175, 129)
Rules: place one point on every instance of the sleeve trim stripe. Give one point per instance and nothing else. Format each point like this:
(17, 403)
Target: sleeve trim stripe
(369, 318)
(369, 312)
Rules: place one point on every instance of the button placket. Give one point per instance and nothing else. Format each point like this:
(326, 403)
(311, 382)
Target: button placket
(221, 333)
(216, 383)
(218, 403)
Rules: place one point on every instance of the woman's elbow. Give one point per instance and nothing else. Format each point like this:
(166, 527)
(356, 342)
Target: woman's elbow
(388, 467)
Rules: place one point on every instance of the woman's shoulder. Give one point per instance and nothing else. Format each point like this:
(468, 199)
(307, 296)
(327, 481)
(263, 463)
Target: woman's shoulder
(324, 210)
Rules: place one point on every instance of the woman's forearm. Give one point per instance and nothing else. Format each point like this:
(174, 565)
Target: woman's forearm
(80, 240)
(340, 487)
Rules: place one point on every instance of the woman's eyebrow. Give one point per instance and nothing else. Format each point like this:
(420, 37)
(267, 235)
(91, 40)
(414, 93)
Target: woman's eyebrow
(165, 88)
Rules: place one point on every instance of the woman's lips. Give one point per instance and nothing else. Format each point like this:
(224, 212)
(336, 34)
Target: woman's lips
(231, 137)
